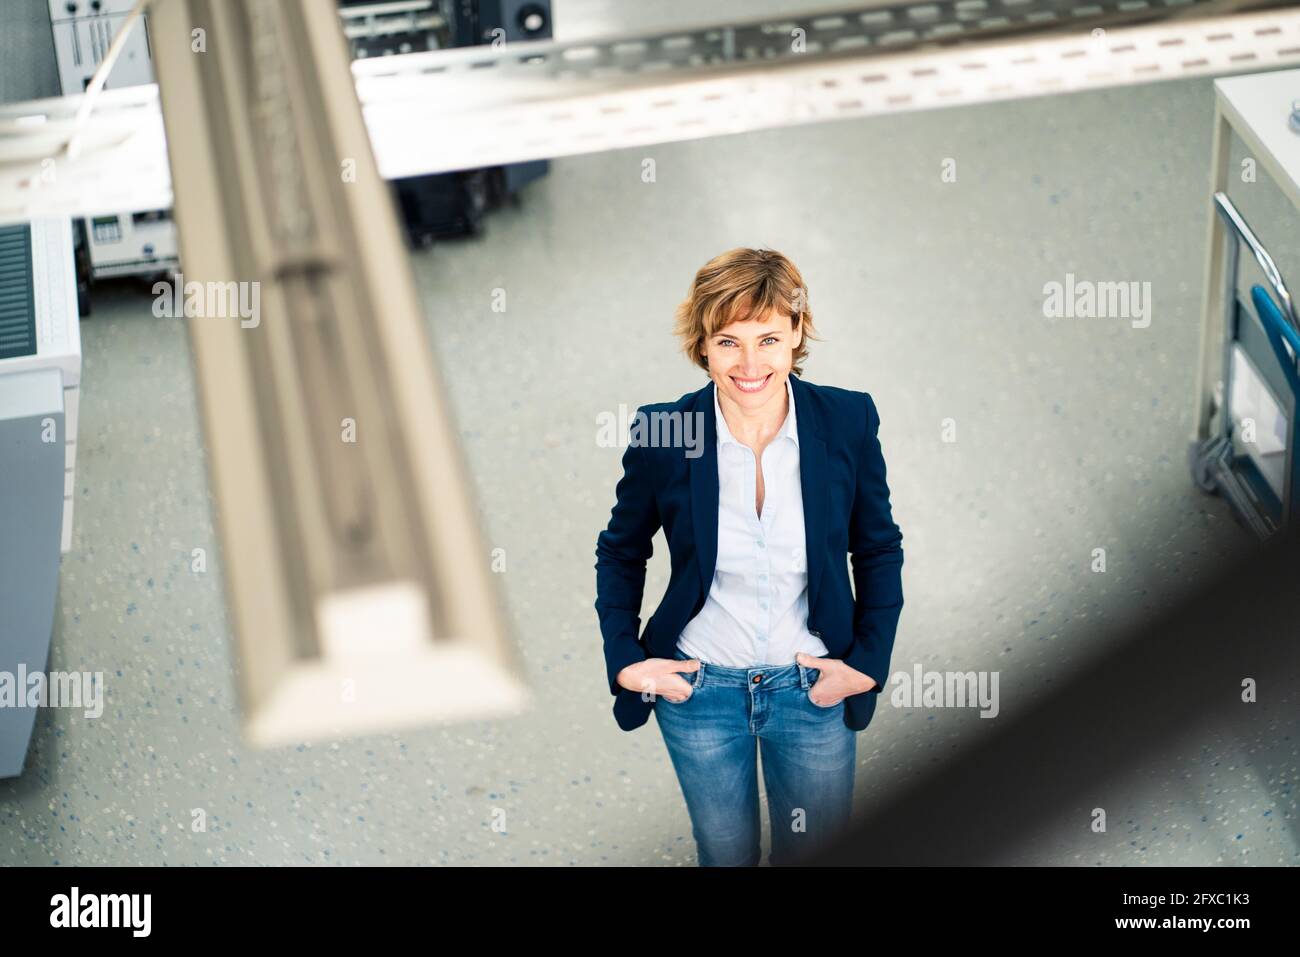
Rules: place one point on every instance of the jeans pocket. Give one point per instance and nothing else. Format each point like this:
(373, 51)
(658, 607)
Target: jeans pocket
(689, 678)
(813, 675)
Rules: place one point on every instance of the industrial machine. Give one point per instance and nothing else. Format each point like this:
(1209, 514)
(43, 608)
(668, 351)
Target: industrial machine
(448, 204)
(440, 205)
(40, 378)
(125, 243)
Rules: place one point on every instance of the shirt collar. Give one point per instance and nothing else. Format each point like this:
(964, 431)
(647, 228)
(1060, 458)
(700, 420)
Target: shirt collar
(789, 428)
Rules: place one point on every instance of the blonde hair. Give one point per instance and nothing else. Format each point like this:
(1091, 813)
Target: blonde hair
(743, 285)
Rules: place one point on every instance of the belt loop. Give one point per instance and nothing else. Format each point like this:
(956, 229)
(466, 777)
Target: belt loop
(699, 676)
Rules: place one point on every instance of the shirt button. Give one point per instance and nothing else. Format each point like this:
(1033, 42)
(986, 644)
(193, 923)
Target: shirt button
(761, 544)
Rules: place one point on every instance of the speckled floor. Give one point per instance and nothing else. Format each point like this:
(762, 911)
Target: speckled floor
(1071, 435)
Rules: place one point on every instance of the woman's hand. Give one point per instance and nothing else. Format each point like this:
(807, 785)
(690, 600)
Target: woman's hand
(659, 676)
(837, 682)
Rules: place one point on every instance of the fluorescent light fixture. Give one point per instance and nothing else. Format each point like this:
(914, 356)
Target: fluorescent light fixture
(360, 590)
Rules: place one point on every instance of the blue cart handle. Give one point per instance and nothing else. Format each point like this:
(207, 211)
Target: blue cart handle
(1240, 231)
(1276, 328)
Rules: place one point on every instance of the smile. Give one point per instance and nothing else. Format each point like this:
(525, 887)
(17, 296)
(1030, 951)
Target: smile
(751, 385)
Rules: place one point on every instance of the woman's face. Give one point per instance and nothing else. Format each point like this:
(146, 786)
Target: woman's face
(749, 360)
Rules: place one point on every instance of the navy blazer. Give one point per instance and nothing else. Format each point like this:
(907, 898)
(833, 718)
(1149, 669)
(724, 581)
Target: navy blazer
(675, 486)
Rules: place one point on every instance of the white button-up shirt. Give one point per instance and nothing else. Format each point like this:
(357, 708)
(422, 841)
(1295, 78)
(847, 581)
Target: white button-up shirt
(756, 612)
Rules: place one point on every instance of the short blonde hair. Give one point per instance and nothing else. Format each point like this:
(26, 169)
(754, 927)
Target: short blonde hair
(743, 285)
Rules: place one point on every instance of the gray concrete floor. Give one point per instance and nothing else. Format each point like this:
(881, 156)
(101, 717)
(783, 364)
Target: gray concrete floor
(1071, 435)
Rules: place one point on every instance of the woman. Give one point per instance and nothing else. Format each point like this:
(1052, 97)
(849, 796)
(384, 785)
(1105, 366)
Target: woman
(766, 482)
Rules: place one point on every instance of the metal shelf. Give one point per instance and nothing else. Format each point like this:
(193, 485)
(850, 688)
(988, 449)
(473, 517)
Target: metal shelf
(483, 106)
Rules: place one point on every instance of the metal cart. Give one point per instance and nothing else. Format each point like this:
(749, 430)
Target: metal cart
(1243, 444)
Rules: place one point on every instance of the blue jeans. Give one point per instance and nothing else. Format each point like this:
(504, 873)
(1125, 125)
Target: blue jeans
(809, 757)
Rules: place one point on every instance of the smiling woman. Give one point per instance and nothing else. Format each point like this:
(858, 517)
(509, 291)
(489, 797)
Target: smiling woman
(759, 643)
(744, 284)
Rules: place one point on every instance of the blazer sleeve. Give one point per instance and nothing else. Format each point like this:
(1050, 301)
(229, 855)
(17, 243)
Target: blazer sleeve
(875, 547)
(622, 550)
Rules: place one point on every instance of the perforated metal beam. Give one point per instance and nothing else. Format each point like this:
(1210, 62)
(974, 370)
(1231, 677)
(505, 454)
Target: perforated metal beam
(464, 108)
(457, 109)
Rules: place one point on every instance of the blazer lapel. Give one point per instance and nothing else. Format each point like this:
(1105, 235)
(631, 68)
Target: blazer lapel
(812, 481)
(704, 491)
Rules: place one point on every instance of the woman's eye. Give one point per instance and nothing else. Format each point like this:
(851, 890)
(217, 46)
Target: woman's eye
(770, 339)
